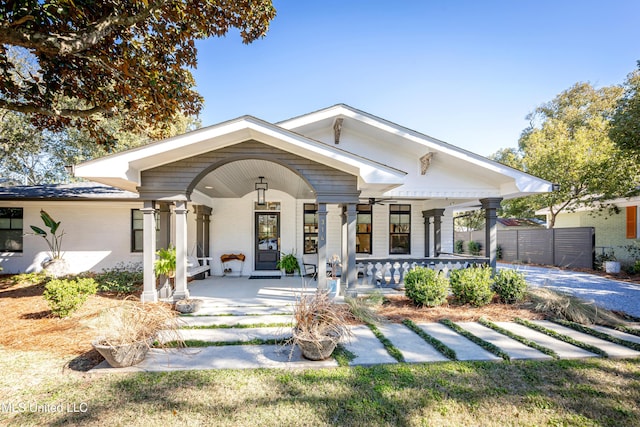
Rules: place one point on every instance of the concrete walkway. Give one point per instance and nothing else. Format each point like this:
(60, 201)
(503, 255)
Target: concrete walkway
(364, 345)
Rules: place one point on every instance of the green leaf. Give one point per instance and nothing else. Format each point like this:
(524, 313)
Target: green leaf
(39, 231)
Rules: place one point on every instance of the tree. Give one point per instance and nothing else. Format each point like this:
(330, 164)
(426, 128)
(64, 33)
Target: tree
(567, 143)
(124, 58)
(625, 125)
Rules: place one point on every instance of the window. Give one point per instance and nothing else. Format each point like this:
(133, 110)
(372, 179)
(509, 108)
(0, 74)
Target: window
(363, 228)
(137, 230)
(399, 229)
(310, 228)
(11, 229)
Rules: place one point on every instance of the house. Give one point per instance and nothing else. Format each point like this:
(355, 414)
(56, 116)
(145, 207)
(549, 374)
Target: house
(615, 229)
(334, 181)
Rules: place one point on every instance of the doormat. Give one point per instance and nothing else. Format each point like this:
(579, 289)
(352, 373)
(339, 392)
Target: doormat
(264, 277)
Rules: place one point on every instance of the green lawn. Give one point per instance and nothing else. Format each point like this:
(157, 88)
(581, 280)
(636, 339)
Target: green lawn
(592, 392)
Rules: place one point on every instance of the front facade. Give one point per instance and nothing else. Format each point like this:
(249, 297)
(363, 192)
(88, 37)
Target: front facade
(336, 181)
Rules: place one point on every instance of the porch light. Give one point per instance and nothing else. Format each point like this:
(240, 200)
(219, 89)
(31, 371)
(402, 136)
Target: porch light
(261, 187)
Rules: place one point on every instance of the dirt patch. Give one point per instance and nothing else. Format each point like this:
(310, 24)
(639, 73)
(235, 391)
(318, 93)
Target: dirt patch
(398, 308)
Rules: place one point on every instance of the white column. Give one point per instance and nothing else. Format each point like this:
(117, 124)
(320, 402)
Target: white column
(149, 292)
(322, 246)
(181, 291)
(350, 262)
(490, 206)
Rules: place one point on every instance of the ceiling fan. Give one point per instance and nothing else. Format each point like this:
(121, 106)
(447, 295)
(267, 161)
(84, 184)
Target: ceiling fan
(373, 201)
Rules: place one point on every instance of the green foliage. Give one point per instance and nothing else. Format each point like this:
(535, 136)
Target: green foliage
(29, 278)
(288, 263)
(624, 124)
(132, 60)
(65, 296)
(472, 285)
(474, 247)
(166, 263)
(54, 240)
(459, 247)
(425, 286)
(122, 278)
(510, 286)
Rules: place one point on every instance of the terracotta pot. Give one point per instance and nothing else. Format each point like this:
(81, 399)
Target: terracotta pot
(123, 355)
(317, 349)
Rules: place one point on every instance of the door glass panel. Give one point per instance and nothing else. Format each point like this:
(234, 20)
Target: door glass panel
(268, 233)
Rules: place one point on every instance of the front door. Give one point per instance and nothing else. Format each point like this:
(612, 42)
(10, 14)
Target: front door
(267, 240)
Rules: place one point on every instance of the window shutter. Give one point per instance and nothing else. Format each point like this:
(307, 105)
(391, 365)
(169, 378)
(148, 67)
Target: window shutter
(632, 222)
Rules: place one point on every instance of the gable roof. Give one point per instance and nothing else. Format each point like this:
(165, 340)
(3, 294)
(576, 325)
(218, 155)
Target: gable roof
(75, 191)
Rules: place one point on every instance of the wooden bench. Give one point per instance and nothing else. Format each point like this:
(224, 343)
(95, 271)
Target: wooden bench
(195, 270)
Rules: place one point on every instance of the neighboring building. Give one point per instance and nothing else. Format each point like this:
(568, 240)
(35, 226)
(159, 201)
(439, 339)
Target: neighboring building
(613, 230)
(337, 180)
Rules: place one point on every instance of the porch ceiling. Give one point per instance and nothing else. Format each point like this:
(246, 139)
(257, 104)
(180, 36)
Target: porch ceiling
(237, 178)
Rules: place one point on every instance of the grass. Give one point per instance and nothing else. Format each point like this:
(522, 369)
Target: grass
(435, 343)
(592, 392)
(388, 345)
(601, 335)
(563, 337)
(558, 305)
(521, 339)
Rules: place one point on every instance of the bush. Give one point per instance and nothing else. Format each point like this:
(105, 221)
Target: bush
(426, 287)
(472, 285)
(474, 248)
(122, 278)
(459, 247)
(66, 296)
(510, 286)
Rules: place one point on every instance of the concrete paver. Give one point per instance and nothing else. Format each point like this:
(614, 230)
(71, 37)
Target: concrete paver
(413, 348)
(236, 334)
(464, 348)
(227, 357)
(613, 350)
(515, 350)
(211, 309)
(615, 333)
(563, 350)
(236, 320)
(367, 348)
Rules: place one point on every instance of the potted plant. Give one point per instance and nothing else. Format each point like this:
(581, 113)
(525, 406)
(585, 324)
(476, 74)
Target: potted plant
(55, 266)
(610, 262)
(127, 331)
(288, 263)
(319, 325)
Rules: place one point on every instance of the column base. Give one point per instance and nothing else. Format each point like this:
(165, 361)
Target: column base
(149, 296)
(181, 295)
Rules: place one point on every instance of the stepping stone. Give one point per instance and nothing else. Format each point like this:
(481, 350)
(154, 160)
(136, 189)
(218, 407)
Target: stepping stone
(236, 320)
(563, 350)
(227, 357)
(464, 348)
(367, 348)
(615, 333)
(217, 310)
(235, 334)
(613, 350)
(411, 345)
(516, 350)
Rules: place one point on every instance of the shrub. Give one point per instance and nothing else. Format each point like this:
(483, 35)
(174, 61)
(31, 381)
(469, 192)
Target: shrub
(472, 285)
(123, 278)
(459, 247)
(426, 287)
(474, 248)
(29, 279)
(510, 286)
(66, 296)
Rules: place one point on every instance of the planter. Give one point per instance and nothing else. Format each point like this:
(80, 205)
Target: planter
(124, 355)
(316, 349)
(56, 267)
(333, 287)
(612, 267)
(188, 305)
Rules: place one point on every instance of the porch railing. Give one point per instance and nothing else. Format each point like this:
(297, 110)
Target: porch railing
(390, 272)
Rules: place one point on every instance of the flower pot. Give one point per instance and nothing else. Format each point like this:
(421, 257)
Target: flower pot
(56, 267)
(612, 267)
(188, 305)
(316, 349)
(120, 356)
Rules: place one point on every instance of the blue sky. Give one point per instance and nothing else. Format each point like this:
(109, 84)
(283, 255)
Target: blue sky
(465, 72)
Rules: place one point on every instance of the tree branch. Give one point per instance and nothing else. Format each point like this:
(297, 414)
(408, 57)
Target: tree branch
(59, 44)
(52, 112)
